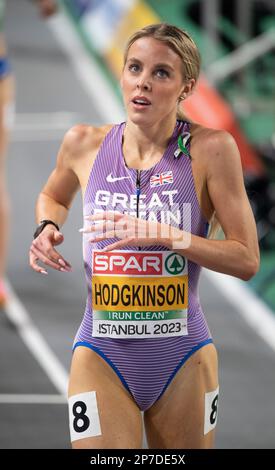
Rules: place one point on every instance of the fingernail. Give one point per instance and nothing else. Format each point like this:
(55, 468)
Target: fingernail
(43, 272)
(60, 261)
(65, 270)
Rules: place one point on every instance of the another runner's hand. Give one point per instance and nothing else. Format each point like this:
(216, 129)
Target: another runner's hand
(47, 7)
(42, 249)
(130, 230)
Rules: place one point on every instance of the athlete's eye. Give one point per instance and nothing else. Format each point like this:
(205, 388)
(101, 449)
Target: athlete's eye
(162, 73)
(133, 67)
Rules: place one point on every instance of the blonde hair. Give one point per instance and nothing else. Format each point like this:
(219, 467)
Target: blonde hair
(182, 44)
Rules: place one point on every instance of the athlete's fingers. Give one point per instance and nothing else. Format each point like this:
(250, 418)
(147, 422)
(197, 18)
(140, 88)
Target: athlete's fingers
(104, 236)
(39, 255)
(117, 245)
(33, 264)
(54, 256)
(57, 237)
(110, 215)
(44, 245)
(42, 257)
(98, 227)
(129, 233)
(122, 234)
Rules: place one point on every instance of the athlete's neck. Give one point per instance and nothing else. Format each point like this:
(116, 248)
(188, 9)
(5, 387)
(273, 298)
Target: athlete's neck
(145, 143)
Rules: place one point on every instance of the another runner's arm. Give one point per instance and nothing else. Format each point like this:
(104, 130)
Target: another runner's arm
(237, 255)
(56, 197)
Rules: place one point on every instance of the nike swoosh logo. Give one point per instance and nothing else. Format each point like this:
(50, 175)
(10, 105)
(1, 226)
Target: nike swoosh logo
(113, 179)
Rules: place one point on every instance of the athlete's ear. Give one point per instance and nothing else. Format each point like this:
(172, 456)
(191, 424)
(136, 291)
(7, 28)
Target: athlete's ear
(188, 88)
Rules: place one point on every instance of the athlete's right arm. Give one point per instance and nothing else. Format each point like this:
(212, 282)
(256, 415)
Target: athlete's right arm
(55, 199)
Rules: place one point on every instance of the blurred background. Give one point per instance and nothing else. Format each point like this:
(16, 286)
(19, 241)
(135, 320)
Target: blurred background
(66, 65)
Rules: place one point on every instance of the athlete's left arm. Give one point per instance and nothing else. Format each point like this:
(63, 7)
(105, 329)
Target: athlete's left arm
(237, 255)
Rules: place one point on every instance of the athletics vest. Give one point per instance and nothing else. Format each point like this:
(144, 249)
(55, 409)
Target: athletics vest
(141, 292)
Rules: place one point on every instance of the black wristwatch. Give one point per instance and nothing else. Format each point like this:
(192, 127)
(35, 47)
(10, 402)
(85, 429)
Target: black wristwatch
(42, 225)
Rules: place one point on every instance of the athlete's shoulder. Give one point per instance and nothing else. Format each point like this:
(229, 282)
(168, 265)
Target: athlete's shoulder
(213, 143)
(210, 136)
(83, 136)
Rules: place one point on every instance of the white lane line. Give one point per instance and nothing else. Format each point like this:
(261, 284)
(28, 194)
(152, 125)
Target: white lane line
(37, 127)
(35, 342)
(39, 136)
(33, 399)
(253, 310)
(46, 121)
(43, 127)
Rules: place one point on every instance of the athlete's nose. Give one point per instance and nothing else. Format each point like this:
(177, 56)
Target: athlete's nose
(144, 84)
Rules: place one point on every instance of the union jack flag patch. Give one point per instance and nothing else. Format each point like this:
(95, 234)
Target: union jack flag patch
(161, 178)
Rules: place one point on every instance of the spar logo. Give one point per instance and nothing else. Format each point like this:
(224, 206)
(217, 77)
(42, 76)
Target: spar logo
(175, 264)
(139, 263)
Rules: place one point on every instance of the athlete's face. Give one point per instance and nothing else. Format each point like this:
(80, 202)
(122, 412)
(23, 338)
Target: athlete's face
(153, 71)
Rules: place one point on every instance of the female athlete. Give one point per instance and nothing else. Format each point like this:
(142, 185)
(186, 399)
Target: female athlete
(151, 187)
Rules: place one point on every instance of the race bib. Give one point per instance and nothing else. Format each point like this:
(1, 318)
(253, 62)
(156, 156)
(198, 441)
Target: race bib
(139, 294)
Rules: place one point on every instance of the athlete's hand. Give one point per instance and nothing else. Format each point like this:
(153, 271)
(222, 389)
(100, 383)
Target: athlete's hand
(42, 249)
(130, 230)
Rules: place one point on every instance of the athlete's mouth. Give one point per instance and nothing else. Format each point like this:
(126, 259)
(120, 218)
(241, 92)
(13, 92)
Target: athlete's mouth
(141, 101)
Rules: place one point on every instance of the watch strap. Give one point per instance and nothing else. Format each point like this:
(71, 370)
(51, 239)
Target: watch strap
(42, 225)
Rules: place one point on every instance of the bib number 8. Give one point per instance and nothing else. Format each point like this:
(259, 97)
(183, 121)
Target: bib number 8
(80, 417)
(84, 416)
(211, 410)
(214, 413)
